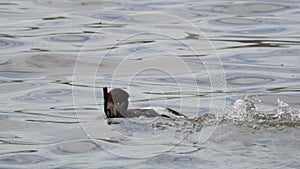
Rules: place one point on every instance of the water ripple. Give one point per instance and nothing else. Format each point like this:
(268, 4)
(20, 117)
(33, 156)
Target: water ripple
(263, 31)
(49, 62)
(151, 18)
(45, 96)
(245, 21)
(53, 23)
(236, 21)
(68, 38)
(9, 87)
(17, 74)
(75, 147)
(86, 5)
(5, 44)
(175, 160)
(23, 159)
(257, 42)
(249, 80)
(244, 8)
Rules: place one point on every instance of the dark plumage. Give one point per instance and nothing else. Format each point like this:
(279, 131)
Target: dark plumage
(116, 106)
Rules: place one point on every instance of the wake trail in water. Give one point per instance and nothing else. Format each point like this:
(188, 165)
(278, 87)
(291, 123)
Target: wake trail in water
(243, 113)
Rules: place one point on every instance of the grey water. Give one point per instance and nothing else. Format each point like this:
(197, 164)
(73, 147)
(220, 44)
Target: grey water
(232, 67)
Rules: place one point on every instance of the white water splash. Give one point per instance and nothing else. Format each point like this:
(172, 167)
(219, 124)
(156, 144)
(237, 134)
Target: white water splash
(242, 110)
(285, 112)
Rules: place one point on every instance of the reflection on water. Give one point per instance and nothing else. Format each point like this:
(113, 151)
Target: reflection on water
(231, 66)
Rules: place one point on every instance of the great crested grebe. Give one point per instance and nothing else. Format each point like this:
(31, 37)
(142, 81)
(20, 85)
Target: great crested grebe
(116, 106)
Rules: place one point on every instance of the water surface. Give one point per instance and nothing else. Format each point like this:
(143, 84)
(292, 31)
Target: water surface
(231, 66)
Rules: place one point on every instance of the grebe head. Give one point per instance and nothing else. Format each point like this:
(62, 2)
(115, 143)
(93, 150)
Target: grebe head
(117, 104)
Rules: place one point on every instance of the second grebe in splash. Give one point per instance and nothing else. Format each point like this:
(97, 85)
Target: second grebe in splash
(116, 106)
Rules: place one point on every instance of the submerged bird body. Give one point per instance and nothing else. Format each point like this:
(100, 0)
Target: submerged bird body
(116, 106)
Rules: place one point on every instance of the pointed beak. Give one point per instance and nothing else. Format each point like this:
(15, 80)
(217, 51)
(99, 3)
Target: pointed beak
(105, 98)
